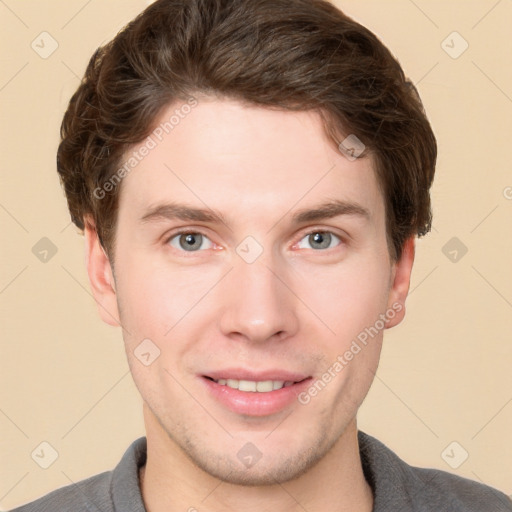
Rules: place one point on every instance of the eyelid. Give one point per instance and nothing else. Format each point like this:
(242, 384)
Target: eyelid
(183, 231)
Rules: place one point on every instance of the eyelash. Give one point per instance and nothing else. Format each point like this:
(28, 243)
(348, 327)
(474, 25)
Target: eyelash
(188, 231)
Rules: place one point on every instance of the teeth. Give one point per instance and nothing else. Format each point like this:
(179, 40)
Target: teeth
(277, 384)
(263, 386)
(247, 385)
(232, 383)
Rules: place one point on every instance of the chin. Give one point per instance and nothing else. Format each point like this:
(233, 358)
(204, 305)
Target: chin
(263, 473)
(270, 466)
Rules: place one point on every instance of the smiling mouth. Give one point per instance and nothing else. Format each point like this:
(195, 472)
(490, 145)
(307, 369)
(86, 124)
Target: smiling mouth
(261, 386)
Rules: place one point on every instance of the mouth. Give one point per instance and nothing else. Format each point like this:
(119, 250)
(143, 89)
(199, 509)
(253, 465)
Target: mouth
(250, 394)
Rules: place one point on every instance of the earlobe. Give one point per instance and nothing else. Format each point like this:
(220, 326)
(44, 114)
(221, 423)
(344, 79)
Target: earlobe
(400, 283)
(100, 275)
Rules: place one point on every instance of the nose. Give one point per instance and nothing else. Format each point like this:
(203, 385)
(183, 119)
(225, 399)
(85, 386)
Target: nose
(259, 304)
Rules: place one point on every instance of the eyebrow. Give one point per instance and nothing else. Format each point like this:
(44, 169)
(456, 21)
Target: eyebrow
(326, 210)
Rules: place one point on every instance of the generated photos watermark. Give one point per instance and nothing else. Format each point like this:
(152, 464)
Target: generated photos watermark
(151, 142)
(344, 359)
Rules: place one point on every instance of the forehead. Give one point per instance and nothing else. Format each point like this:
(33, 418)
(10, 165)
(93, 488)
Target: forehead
(240, 159)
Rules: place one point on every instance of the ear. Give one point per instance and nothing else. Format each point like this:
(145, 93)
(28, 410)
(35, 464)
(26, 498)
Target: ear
(101, 277)
(400, 281)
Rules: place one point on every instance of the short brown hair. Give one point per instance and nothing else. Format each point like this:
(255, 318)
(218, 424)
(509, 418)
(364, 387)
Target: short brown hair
(286, 54)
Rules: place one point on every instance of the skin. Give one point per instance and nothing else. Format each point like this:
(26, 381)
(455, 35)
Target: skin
(297, 307)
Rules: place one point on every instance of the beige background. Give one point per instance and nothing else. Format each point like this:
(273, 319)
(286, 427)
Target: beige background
(445, 373)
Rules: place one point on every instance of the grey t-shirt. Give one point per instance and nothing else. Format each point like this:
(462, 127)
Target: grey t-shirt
(397, 487)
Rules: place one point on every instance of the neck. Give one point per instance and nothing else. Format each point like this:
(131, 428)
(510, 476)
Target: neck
(171, 482)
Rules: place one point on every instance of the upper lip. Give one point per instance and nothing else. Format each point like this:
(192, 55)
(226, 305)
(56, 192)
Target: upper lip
(244, 374)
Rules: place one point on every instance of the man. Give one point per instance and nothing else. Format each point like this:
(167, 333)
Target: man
(250, 176)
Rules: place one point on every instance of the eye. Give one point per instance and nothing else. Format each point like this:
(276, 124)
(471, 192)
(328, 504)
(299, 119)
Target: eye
(193, 241)
(189, 241)
(319, 240)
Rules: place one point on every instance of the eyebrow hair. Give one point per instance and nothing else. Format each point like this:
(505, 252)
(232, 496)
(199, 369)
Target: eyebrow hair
(326, 210)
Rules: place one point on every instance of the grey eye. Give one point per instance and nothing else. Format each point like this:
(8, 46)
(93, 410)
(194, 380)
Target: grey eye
(319, 240)
(189, 242)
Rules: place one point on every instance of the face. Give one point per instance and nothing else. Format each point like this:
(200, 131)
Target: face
(250, 262)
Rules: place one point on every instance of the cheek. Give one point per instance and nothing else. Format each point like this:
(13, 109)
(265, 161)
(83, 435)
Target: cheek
(348, 297)
(154, 296)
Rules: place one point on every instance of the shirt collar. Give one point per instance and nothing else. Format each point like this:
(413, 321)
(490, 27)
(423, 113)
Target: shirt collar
(126, 492)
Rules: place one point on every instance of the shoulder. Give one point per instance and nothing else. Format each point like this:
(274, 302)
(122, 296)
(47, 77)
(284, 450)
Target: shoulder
(456, 493)
(399, 486)
(87, 495)
(109, 491)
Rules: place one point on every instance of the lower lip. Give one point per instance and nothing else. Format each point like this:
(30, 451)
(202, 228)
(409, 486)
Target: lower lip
(251, 403)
